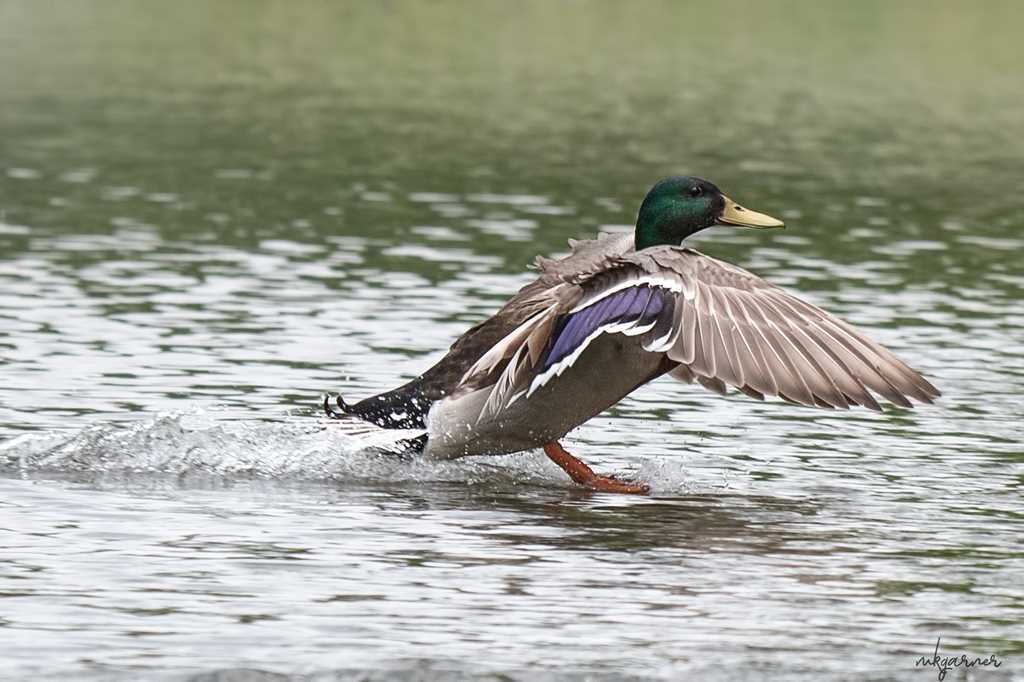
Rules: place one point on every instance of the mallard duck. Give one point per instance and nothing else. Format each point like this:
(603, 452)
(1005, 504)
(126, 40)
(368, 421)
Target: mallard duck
(619, 311)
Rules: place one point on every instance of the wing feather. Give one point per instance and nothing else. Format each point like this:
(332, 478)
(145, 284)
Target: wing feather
(821, 381)
(745, 332)
(757, 338)
(756, 373)
(720, 323)
(727, 360)
(686, 343)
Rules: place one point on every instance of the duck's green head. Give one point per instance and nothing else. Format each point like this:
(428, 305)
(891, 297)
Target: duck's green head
(677, 207)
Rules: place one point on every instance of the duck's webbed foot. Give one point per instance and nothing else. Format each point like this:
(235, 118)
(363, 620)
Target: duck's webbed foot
(585, 476)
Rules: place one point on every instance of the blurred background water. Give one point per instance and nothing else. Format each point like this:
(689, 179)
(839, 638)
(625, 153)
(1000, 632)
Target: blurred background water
(210, 213)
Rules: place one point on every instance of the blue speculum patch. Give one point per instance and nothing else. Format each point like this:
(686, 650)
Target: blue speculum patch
(641, 304)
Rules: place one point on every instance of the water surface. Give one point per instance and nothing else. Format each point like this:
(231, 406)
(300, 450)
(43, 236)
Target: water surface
(210, 214)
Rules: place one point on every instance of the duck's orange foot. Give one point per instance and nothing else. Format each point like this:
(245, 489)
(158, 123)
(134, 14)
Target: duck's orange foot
(583, 475)
(610, 484)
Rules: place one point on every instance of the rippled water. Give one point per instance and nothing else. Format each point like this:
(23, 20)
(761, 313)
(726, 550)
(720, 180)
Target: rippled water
(210, 214)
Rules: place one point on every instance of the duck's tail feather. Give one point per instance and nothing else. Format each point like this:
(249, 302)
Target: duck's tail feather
(342, 409)
(405, 407)
(406, 448)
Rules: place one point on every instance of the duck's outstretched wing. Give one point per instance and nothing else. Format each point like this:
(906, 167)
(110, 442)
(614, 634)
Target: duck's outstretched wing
(721, 324)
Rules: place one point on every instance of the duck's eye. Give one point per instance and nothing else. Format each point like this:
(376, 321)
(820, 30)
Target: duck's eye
(696, 191)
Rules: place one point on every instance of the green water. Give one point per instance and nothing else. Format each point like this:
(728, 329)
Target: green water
(210, 213)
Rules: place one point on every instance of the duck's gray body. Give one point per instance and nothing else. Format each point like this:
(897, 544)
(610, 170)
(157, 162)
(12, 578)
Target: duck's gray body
(455, 424)
(455, 427)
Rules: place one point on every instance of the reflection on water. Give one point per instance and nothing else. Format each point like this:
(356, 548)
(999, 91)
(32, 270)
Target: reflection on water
(209, 215)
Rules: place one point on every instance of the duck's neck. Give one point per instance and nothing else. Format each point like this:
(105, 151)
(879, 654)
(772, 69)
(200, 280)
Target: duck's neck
(663, 223)
(654, 234)
(644, 239)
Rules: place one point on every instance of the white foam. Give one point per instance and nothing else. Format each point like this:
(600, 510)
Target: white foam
(298, 448)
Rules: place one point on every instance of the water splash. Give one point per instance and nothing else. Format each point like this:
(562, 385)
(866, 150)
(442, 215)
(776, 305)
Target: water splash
(197, 442)
(203, 442)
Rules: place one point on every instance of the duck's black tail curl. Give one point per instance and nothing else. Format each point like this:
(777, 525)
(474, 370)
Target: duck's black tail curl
(403, 408)
(405, 448)
(343, 407)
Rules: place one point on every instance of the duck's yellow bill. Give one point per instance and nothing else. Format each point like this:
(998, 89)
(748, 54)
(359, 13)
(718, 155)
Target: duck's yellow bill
(734, 214)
